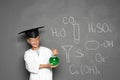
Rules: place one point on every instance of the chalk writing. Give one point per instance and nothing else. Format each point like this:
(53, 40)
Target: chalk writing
(99, 28)
(76, 33)
(70, 20)
(54, 32)
(91, 45)
(65, 20)
(94, 44)
(80, 68)
(67, 49)
(61, 33)
(84, 69)
(100, 58)
(76, 28)
(107, 43)
(73, 70)
(79, 53)
(89, 69)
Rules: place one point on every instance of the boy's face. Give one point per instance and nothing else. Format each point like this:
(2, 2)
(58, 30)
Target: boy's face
(34, 42)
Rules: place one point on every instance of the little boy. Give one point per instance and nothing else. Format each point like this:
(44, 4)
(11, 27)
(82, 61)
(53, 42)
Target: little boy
(37, 57)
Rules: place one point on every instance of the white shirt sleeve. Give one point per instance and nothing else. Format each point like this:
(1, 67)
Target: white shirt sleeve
(31, 64)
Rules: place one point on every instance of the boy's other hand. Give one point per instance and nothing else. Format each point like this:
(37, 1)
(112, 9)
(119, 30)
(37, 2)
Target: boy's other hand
(55, 51)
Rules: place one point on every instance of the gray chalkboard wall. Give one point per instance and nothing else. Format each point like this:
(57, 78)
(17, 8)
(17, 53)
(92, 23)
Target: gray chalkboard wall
(86, 33)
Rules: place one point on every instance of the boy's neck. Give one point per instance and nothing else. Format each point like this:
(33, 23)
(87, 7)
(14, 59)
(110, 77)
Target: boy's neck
(35, 48)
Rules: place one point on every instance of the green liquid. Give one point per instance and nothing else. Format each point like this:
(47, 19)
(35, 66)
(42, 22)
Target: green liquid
(54, 60)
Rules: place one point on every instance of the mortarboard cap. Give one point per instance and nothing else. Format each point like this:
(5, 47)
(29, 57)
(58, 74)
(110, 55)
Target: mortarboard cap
(31, 33)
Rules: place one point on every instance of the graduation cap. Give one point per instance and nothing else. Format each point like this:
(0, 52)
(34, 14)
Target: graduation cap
(31, 33)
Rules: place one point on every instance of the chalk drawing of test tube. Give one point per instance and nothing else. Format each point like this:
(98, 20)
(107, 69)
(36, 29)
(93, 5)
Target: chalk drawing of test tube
(92, 45)
(76, 33)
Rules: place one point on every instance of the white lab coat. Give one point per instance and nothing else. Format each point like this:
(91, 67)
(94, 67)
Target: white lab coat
(34, 59)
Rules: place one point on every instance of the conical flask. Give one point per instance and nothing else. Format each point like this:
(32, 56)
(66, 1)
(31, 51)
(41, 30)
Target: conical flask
(54, 60)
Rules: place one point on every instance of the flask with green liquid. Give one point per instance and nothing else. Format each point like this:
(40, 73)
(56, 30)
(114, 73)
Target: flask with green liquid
(54, 60)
